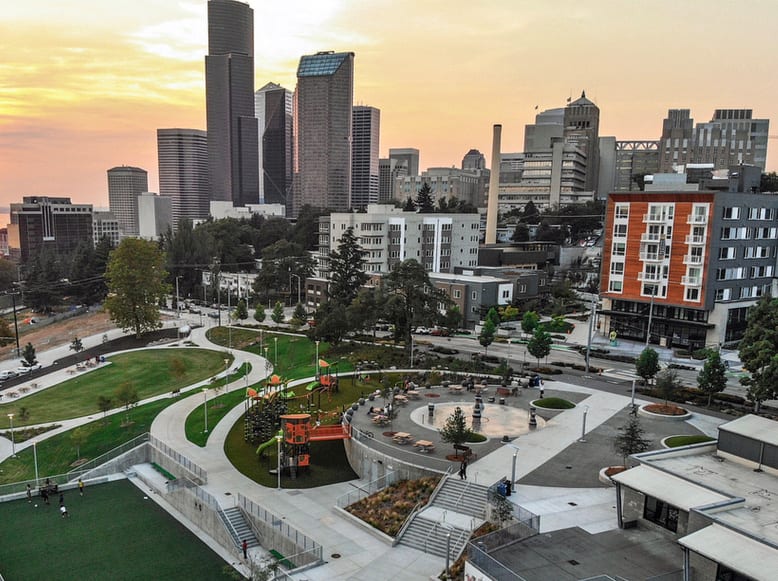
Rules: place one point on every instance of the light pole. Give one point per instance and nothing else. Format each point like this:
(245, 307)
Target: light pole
(583, 425)
(229, 315)
(633, 395)
(13, 441)
(513, 464)
(279, 437)
(275, 359)
(226, 374)
(35, 459)
(448, 552)
(205, 408)
(261, 334)
(650, 315)
(317, 358)
(297, 276)
(178, 304)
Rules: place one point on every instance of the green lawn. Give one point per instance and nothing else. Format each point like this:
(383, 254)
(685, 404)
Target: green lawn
(675, 441)
(112, 533)
(151, 372)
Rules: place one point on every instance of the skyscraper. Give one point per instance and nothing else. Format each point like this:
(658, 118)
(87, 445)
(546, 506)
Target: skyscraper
(233, 163)
(409, 155)
(125, 184)
(183, 172)
(365, 131)
(273, 108)
(323, 102)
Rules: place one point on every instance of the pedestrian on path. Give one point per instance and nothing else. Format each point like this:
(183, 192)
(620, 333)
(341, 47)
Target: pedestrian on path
(64, 511)
(45, 495)
(463, 470)
(245, 546)
(81, 487)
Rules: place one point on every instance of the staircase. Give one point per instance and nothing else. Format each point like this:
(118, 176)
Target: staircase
(456, 508)
(238, 528)
(463, 497)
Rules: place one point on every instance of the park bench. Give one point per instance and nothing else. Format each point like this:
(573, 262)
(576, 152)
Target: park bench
(466, 451)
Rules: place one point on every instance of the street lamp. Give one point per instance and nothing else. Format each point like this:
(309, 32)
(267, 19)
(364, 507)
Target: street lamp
(205, 408)
(297, 276)
(317, 358)
(583, 426)
(13, 441)
(513, 465)
(226, 374)
(279, 437)
(35, 459)
(178, 303)
(275, 359)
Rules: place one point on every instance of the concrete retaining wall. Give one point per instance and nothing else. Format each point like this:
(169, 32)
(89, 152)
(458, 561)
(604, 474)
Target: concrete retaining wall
(202, 515)
(138, 455)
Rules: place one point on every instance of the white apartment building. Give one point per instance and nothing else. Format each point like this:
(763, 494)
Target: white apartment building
(389, 235)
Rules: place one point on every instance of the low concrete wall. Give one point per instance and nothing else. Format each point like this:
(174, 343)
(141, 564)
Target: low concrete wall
(158, 457)
(202, 515)
(371, 464)
(138, 455)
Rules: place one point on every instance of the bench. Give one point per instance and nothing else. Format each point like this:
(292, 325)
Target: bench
(466, 451)
(281, 559)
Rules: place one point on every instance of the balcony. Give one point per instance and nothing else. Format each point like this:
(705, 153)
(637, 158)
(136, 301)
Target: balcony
(697, 219)
(692, 259)
(650, 237)
(695, 240)
(651, 256)
(654, 218)
(650, 276)
(691, 280)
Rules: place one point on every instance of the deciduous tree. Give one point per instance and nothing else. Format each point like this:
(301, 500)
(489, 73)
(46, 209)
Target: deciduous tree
(647, 364)
(539, 344)
(486, 337)
(712, 378)
(759, 351)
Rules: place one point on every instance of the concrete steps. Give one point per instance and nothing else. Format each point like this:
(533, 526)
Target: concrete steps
(463, 497)
(431, 537)
(238, 528)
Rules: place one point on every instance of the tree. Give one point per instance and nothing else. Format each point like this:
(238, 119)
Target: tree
(28, 355)
(667, 383)
(241, 312)
(530, 213)
(6, 334)
(486, 337)
(78, 437)
(259, 313)
(23, 414)
(136, 282)
(521, 233)
(759, 351)
(409, 205)
(104, 404)
(126, 394)
(493, 316)
(529, 322)
(331, 323)
(299, 316)
(631, 439)
(455, 430)
(365, 310)
(539, 344)
(346, 272)
(43, 281)
(712, 378)
(76, 345)
(452, 319)
(278, 313)
(647, 364)
(424, 201)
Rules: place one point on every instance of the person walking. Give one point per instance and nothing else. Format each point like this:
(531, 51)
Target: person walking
(64, 511)
(62, 499)
(81, 487)
(463, 470)
(245, 546)
(29, 493)
(45, 495)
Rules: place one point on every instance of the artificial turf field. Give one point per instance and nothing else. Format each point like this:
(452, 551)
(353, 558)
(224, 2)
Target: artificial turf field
(112, 533)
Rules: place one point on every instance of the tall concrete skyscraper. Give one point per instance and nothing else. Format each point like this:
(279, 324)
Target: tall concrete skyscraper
(365, 132)
(273, 106)
(409, 155)
(233, 163)
(183, 172)
(125, 184)
(323, 101)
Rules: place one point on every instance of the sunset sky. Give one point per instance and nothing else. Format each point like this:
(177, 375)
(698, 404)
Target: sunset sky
(84, 84)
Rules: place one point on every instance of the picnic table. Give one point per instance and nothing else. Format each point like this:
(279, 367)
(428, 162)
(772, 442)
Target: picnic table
(401, 399)
(412, 393)
(402, 438)
(424, 446)
(455, 389)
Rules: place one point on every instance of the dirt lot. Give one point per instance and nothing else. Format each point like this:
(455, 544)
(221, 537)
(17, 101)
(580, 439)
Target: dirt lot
(44, 337)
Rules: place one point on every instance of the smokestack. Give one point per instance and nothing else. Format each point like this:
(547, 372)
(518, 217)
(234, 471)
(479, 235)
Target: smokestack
(494, 187)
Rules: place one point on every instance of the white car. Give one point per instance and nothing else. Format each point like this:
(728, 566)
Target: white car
(7, 374)
(24, 369)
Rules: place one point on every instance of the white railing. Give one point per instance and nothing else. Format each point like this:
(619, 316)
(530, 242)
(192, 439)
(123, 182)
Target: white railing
(650, 256)
(692, 259)
(691, 280)
(108, 456)
(691, 239)
(650, 237)
(697, 219)
(650, 276)
(179, 459)
(654, 218)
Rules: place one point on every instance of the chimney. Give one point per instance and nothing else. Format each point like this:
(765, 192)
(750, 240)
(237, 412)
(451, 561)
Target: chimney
(494, 188)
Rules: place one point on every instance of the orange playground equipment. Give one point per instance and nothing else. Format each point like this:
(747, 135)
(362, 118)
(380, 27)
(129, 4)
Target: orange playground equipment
(298, 435)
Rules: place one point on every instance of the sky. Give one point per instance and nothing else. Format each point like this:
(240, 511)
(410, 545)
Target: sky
(84, 84)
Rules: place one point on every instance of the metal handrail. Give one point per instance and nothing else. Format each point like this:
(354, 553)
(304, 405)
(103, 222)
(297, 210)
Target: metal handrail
(228, 523)
(407, 521)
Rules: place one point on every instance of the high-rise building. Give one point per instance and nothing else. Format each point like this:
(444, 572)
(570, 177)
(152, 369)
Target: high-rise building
(473, 160)
(634, 161)
(183, 172)
(323, 111)
(155, 215)
(731, 138)
(229, 88)
(389, 169)
(125, 184)
(52, 223)
(105, 225)
(273, 106)
(408, 155)
(365, 132)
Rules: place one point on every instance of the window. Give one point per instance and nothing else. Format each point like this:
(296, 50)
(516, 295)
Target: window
(456, 293)
(474, 295)
(620, 231)
(615, 286)
(617, 268)
(622, 212)
(727, 253)
(661, 513)
(506, 294)
(734, 233)
(619, 248)
(723, 294)
(693, 294)
(730, 273)
(731, 213)
(761, 271)
(758, 252)
(766, 233)
(760, 214)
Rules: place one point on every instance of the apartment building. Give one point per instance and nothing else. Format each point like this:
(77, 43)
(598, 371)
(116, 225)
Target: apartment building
(684, 267)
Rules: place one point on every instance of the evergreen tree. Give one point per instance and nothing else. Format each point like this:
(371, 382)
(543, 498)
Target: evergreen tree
(712, 378)
(28, 355)
(647, 364)
(136, 280)
(424, 201)
(76, 345)
(346, 269)
(278, 313)
(241, 311)
(539, 344)
(410, 205)
(299, 316)
(759, 351)
(520, 233)
(259, 313)
(530, 213)
(631, 439)
(8, 274)
(43, 287)
(6, 333)
(455, 430)
(331, 323)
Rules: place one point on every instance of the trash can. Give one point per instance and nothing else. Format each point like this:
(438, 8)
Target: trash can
(502, 401)
(501, 489)
(431, 409)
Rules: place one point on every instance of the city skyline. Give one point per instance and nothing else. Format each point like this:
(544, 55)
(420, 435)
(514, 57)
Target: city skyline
(85, 87)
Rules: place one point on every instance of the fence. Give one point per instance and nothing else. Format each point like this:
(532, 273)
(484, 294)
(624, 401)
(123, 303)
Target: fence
(308, 552)
(478, 557)
(108, 456)
(366, 490)
(180, 459)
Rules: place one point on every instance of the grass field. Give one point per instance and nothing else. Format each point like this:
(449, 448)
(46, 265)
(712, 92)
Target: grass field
(150, 372)
(112, 533)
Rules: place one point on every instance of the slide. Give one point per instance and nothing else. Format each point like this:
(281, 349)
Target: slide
(271, 442)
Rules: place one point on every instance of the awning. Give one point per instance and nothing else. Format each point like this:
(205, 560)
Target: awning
(668, 488)
(742, 554)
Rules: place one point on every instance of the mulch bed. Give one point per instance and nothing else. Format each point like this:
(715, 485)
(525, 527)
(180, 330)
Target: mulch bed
(431, 395)
(665, 410)
(389, 434)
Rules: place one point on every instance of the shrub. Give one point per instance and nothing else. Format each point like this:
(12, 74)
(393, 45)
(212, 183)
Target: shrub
(475, 438)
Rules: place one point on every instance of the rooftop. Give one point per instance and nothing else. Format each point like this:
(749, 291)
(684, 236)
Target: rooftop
(321, 64)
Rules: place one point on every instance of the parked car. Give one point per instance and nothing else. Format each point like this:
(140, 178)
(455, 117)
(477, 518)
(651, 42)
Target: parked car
(440, 332)
(422, 331)
(7, 374)
(25, 369)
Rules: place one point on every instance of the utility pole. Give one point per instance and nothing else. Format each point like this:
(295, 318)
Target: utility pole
(16, 325)
(591, 327)
(650, 315)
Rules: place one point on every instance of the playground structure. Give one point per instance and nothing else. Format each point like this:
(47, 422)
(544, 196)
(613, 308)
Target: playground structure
(267, 421)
